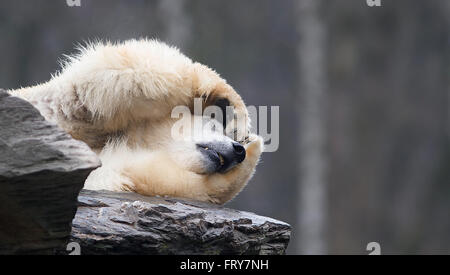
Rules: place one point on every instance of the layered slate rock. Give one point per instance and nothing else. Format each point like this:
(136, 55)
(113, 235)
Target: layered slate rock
(128, 223)
(42, 170)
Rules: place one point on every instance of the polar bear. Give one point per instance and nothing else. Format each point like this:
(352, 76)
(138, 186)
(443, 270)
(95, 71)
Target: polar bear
(119, 97)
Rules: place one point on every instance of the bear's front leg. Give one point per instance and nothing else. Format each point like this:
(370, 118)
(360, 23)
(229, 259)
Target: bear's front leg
(215, 91)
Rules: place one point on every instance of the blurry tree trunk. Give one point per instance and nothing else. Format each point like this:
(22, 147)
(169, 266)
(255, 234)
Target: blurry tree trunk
(447, 10)
(312, 113)
(176, 21)
(388, 77)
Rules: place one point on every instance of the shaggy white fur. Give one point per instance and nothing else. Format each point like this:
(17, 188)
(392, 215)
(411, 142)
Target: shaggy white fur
(118, 98)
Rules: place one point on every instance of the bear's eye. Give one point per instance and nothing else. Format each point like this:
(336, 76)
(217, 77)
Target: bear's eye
(223, 103)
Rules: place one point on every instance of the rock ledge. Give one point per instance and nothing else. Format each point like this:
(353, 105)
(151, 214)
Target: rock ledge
(128, 223)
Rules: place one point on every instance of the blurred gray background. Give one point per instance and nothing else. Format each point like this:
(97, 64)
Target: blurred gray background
(363, 93)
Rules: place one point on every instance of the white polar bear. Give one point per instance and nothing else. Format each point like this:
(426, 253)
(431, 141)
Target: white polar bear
(118, 98)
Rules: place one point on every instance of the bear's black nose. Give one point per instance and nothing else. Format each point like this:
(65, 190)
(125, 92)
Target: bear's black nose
(221, 156)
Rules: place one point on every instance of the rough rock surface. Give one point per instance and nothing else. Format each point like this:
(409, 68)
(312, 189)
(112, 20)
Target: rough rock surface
(128, 223)
(42, 170)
